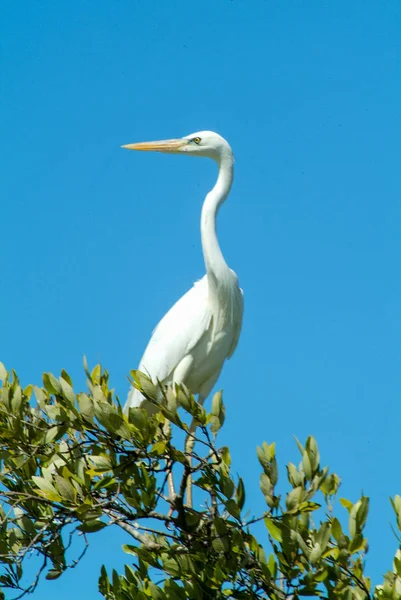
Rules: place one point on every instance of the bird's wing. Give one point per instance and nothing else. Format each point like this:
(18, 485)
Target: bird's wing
(175, 336)
(238, 312)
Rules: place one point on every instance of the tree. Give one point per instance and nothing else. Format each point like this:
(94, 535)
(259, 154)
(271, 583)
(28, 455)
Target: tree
(72, 464)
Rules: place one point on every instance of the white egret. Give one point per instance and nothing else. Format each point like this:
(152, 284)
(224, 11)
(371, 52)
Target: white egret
(192, 341)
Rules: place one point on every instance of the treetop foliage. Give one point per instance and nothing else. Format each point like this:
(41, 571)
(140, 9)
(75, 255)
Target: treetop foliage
(73, 464)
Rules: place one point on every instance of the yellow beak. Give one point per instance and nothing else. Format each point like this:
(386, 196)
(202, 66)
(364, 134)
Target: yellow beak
(161, 146)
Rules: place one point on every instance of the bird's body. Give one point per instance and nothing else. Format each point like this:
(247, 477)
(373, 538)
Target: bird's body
(192, 341)
(198, 347)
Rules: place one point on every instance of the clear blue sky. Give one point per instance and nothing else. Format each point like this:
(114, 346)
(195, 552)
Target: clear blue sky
(96, 243)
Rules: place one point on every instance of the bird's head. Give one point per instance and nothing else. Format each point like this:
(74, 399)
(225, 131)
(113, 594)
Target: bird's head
(201, 143)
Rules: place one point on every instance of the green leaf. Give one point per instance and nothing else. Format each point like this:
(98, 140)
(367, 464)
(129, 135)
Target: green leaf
(215, 424)
(296, 536)
(233, 508)
(294, 498)
(269, 450)
(86, 405)
(240, 494)
(357, 543)
(51, 434)
(352, 521)
(96, 373)
(272, 566)
(54, 574)
(52, 385)
(92, 526)
(107, 415)
(16, 400)
(128, 549)
(313, 453)
(336, 529)
(346, 503)
(273, 529)
(321, 575)
(47, 488)
(266, 457)
(362, 512)
(192, 519)
(145, 384)
(3, 372)
(28, 391)
(138, 417)
(396, 502)
(306, 464)
(40, 396)
(226, 485)
(217, 403)
(315, 554)
(294, 476)
(265, 484)
(330, 484)
(101, 463)
(220, 543)
(185, 400)
(171, 567)
(159, 448)
(25, 523)
(65, 489)
(358, 515)
(323, 536)
(397, 565)
(67, 391)
(66, 377)
(300, 446)
(116, 583)
(225, 455)
(306, 507)
(172, 402)
(86, 368)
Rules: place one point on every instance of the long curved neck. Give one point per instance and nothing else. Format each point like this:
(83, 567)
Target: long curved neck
(216, 266)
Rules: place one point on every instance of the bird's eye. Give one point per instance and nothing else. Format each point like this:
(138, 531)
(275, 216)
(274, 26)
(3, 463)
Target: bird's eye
(197, 140)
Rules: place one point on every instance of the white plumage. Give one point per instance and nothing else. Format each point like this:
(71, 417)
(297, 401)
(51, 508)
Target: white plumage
(192, 341)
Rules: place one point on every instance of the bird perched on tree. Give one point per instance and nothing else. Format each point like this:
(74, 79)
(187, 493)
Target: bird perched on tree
(192, 341)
